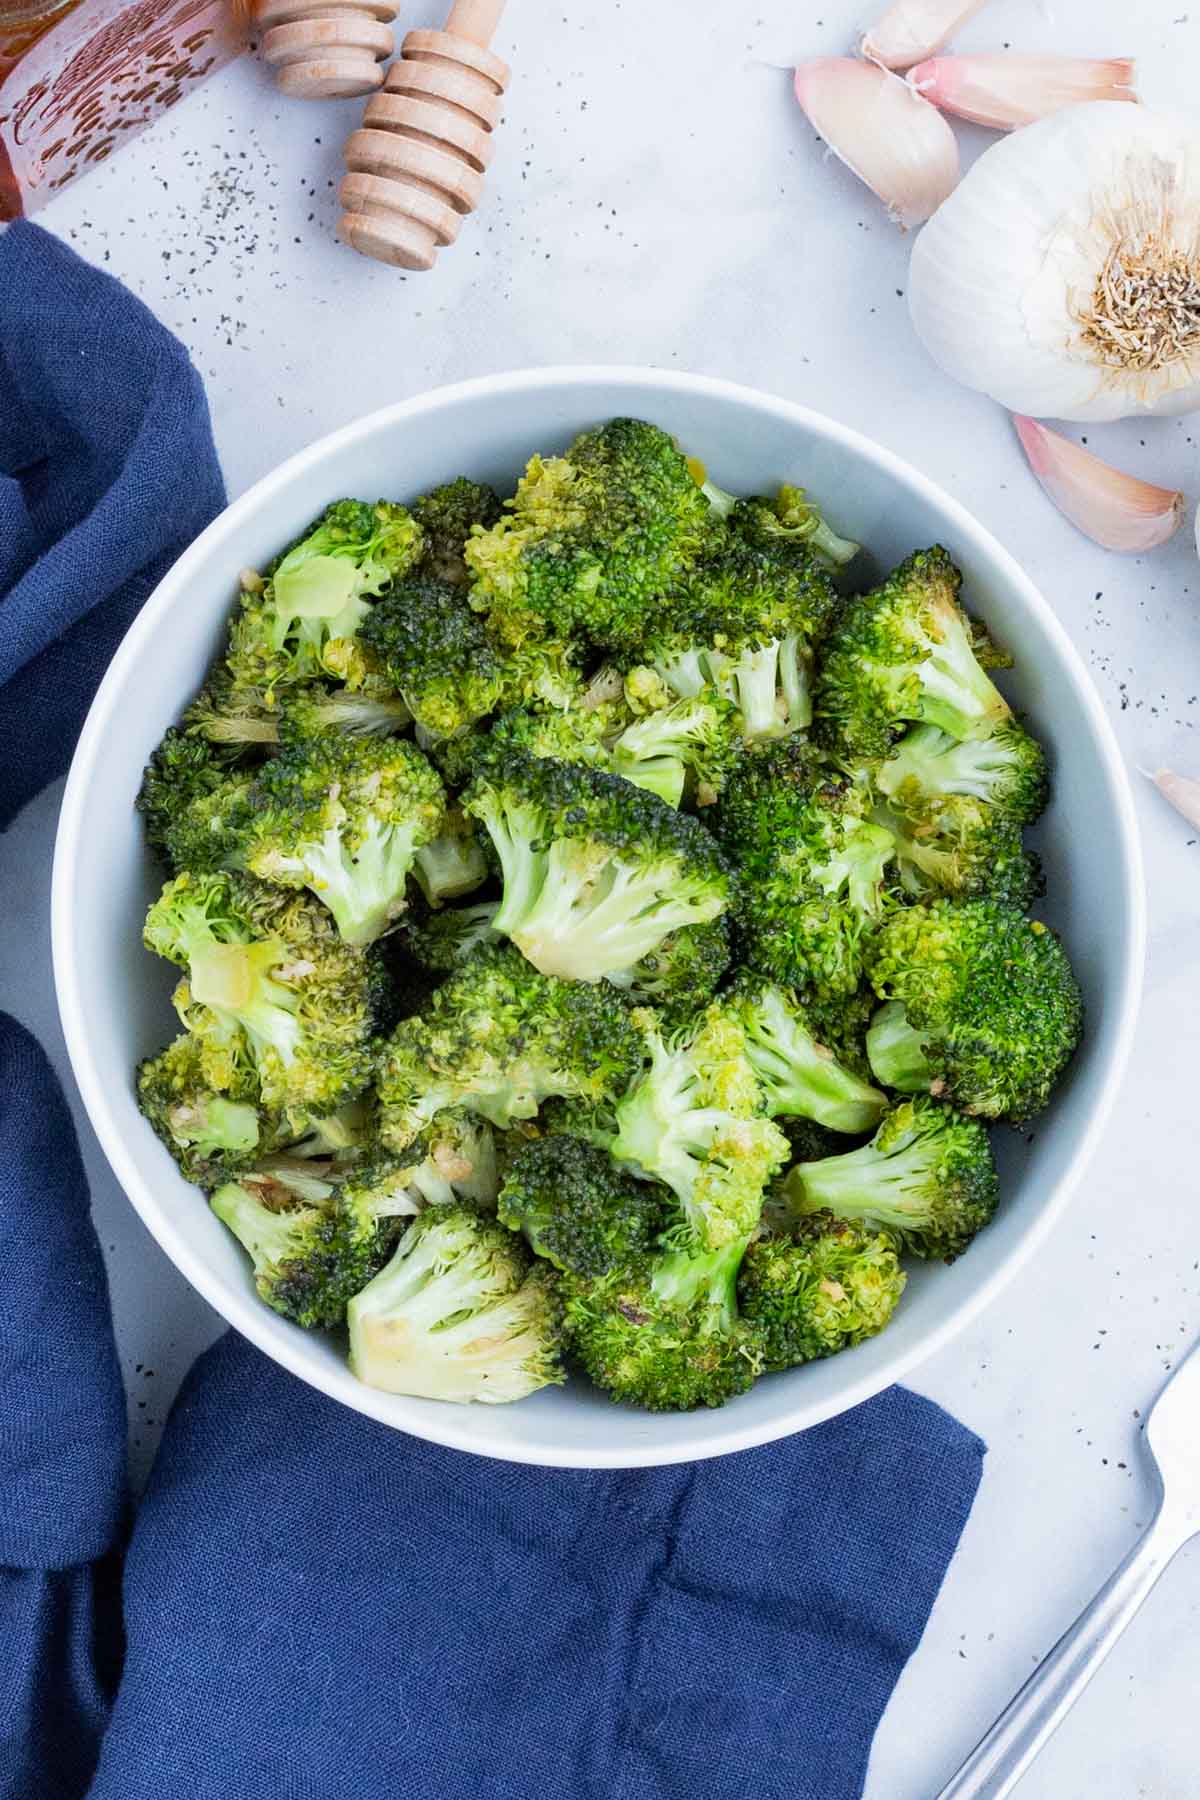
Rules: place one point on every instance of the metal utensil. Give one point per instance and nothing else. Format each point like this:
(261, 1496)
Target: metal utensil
(1172, 1432)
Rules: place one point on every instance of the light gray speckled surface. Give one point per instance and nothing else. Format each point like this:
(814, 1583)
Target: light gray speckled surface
(657, 198)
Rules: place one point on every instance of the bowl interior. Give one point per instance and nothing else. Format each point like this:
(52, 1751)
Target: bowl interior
(115, 997)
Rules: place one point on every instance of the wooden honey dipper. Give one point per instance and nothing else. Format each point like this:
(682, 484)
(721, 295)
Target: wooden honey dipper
(416, 166)
(326, 49)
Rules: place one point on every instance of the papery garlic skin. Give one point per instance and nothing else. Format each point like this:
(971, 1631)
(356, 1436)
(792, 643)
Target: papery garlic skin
(1062, 276)
(894, 141)
(1116, 510)
(1005, 92)
(913, 29)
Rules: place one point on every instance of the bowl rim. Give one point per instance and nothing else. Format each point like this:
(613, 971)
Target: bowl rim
(242, 1310)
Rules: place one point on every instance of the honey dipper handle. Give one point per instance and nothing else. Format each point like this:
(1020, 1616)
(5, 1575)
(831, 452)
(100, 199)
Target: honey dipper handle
(475, 20)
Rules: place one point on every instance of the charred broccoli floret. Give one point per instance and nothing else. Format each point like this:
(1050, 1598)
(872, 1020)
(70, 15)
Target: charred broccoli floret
(345, 817)
(694, 1120)
(962, 847)
(245, 721)
(591, 539)
(309, 1257)
(458, 1313)
(579, 1210)
(811, 868)
(185, 771)
(830, 1284)
(499, 1038)
(927, 1176)
(596, 872)
(680, 976)
(790, 518)
(448, 515)
(436, 653)
(305, 621)
(798, 1073)
(270, 990)
(906, 652)
(665, 1333)
(983, 1007)
(1005, 771)
(209, 1133)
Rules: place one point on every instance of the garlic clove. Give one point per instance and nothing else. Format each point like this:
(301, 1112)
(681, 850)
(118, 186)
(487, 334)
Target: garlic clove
(1008, 91)
(1112, 508)
(913, 29)
(1181, 791)
(894, 141)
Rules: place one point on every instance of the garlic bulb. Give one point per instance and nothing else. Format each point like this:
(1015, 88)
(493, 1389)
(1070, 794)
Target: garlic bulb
(1062, 276)
(884, 132)
(1119, 511)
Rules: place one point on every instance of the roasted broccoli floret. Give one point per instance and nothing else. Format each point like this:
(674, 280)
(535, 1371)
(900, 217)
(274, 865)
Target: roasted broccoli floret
(591, 539)
(270, 990)
(209, 1133)
(680, 976)
(458, 1313)
(448, 516)
(436, 653)
(243, 721)
(700, 737)
(309, 1257)
(573, 735)
(743, 623)
(184, 772)
(927, 1176)
(499, 1038)
(305, 621)
(1006, 771)
(694, 1119)
(796, 1071)
(664, 1333)
(440, 941)
(452, 863)
(596, 872)
(984, 1009)
(579, 1210)
(830, 1284)
(453, 1161)
(964, 848)
(345, 817)
(906, 652)
(790, 518)
(811, 868)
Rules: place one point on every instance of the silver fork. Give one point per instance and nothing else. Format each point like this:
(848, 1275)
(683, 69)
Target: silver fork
(1172, 1432)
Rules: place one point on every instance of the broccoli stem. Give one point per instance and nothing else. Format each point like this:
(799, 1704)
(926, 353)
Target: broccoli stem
(893, 1188)
(896, 1051)
(683, 1277)
(363, 891)
(956, 693)
(235, 981)
(858, 867)
(268, 1237)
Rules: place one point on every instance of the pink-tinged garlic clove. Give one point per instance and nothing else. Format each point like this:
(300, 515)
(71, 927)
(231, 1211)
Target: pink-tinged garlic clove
(914, 29)
(1181, 791)
(894, 141)
(1008, 91)
(1115, 510)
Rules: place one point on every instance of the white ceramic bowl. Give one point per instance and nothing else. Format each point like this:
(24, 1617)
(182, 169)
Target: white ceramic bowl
(114, 996)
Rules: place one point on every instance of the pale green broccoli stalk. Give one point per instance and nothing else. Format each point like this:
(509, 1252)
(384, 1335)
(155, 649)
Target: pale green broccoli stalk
(452, 863)
(1006, 770)
(346, 818)
(699, 736)
(458, 1314)
(798, 1074)
(693, 1119)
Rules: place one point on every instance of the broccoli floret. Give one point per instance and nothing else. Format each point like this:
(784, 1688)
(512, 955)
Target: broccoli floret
(742, 623)
(927, 1176)
(271, 990)
(211, 831)
(210, 1134)
(592, 539)
(572, 736)
(791, 518)
(441, 941)
(447, 516)
(243, 720)
(665, 1333)
(305, 621)
(457, 1314)
(964, 848)
(452, 863)
(309, 1257)
(596, 872)
(437, 653)
(308, 712)
(183, 770)
(700, 737)
(1006, 771)
(453, 1161)
(906, 651)
(811, 865)
(796, 1071)
(499, 1038)
(680, 976)
(345, 817)
(577, 1208)
(833, 1283)
(986, 1010)
(694, 1119)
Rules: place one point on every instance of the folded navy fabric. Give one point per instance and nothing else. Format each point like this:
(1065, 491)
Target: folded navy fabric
(312, 1606)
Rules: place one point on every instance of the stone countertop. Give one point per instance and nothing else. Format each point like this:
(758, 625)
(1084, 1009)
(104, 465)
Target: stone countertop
(658, 198)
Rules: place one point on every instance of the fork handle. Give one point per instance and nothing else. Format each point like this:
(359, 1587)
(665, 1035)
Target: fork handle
(1000, 1758)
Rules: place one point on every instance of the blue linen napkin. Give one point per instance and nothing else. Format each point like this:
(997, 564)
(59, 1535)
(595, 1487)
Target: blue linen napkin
(313, 1606)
